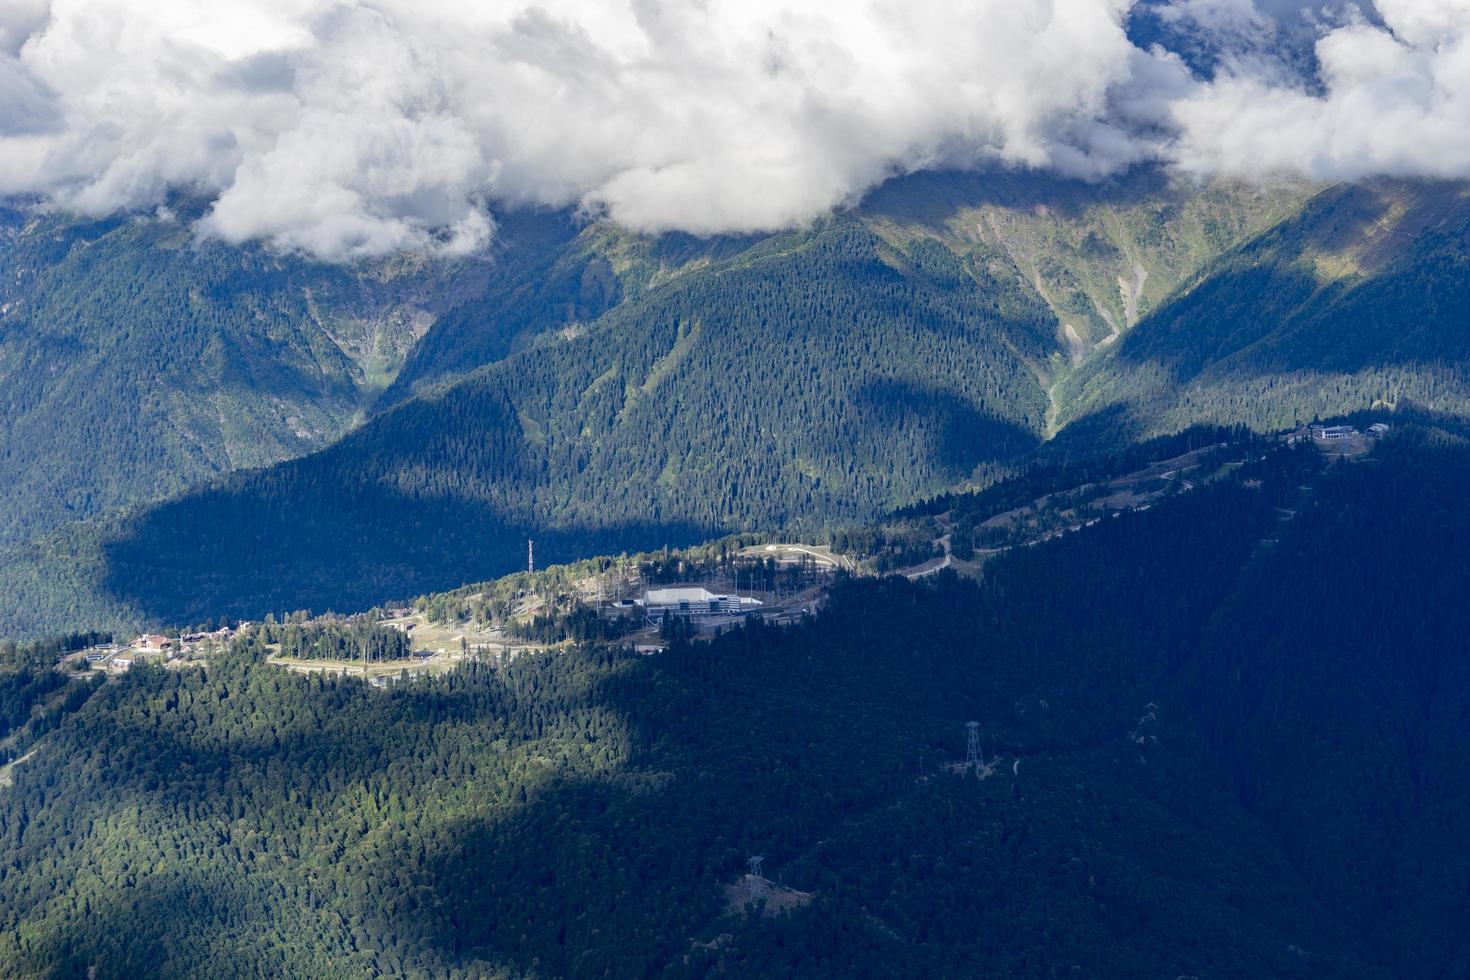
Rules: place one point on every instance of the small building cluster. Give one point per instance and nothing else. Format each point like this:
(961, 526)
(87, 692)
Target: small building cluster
(1322, 433)
(157, 647)
(218, 636)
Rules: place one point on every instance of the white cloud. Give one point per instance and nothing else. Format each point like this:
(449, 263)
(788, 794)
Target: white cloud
(1395, 99)
(349, 127)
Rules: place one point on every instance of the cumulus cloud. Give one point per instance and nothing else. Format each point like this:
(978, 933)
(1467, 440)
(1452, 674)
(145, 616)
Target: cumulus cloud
(345, 128)
(1394, 98)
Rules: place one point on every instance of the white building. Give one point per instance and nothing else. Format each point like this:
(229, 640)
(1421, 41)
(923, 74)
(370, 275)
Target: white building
(1328, 433)
(685, 600)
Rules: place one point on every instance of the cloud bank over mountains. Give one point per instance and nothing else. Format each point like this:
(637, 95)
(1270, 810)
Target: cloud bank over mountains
(347, 128)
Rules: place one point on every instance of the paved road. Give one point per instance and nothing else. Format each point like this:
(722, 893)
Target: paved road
(929, 568)
(829, 557)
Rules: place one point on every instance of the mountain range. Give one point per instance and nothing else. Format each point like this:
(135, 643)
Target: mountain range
(1221, 723)
(601, 391)
(918, 490)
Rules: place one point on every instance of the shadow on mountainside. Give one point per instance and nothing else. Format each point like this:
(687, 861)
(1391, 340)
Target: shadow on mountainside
(365, 522)
(1359, 280)
(932, 197)
(1222, 759)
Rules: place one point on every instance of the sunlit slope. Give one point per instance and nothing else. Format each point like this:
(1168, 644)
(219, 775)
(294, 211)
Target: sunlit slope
(1098, 255)
(1359, 300)
(1101, 255)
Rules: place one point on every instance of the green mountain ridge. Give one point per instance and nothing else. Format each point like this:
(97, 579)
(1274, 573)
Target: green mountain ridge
(1211, 758)
(1357, 301)
(137, 362)
(674, 412)
(606, 391)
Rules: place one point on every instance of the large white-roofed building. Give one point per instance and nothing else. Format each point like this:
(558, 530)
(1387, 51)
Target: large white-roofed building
(694, 600)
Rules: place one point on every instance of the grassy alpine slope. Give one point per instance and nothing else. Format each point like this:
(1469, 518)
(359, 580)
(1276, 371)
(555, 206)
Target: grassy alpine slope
(1357, 301)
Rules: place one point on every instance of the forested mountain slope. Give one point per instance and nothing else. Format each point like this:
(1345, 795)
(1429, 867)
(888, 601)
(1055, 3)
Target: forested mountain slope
(821, 376)
(1187, 780)
(554, 276)
(1359, 300)
(1099, 255)
(136, 362)
(606, 390)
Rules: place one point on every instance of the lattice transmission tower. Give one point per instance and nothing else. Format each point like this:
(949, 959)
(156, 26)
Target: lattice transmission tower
(972, 749)
(757, 879)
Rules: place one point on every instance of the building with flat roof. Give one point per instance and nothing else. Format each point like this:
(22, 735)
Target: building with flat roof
(1328, 433)
(694, 600)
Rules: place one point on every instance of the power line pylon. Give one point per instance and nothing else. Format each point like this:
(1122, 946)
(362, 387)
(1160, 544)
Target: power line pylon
(972, 749)
(757, 880)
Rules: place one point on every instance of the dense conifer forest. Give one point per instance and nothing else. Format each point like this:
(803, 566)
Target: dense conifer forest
(816, 379)
(498, 493)
(602, 389)
(1356, 302)
(137, 362)
(1188, 777)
